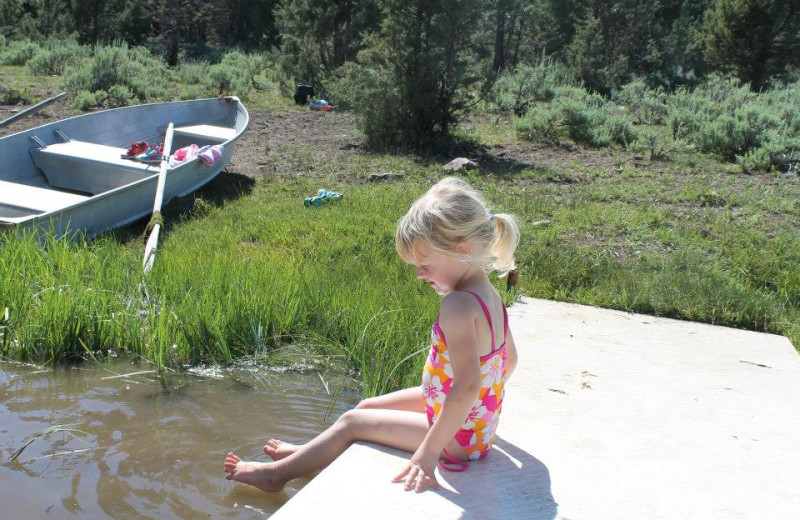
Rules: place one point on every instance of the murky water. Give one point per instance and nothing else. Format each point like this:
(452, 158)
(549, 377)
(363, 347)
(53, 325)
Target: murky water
(147, 452)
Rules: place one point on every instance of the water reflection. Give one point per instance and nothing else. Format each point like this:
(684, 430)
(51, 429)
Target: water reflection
(146, 452)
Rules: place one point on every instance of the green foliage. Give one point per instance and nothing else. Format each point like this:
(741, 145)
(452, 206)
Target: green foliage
(757, 40)
(577, 115)
(648, 106)
(235, 74)
(652, 143)
(318, 36)
(11, 96)
(369, 89)
(84, 100)
(586, 55)
(117, 76)
(18, 52)
(423, 64)
(721, 117)
(737, 133)
(192, 73)
(55, 57)
(617, 129)
(517, 90)
(45, 19)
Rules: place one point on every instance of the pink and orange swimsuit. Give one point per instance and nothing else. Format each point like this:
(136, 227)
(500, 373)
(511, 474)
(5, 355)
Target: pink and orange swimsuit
(477, 433)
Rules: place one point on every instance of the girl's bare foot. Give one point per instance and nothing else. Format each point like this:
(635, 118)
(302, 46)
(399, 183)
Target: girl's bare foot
(278, 449)
(258, 474)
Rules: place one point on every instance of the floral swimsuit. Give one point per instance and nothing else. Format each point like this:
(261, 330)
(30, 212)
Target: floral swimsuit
(477, 433)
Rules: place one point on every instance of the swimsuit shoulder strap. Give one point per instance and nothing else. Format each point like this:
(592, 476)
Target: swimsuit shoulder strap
(489, 317)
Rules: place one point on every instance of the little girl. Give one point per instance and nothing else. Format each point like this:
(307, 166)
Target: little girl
(452, 239)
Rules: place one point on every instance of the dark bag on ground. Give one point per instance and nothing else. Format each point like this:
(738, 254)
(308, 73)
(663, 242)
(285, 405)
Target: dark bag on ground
(302, 92)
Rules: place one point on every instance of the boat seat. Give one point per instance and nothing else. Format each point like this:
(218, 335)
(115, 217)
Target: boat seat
(95, 153)
(88, 167)
(218, 134)
(40, 200)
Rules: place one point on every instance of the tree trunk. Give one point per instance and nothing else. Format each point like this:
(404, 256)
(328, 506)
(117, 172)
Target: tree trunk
(499, 61)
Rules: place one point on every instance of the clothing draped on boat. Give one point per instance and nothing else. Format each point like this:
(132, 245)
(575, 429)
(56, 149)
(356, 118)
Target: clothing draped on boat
(209, 154)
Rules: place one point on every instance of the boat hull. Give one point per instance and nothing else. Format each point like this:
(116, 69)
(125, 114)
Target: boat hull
(114, 207)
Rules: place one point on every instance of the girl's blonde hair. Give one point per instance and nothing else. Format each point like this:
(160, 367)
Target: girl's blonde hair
(450, 214)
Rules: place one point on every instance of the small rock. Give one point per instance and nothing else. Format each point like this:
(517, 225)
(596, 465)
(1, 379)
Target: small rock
(458, 164)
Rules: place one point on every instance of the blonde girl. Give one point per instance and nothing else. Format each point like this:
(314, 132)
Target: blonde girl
(453, 240)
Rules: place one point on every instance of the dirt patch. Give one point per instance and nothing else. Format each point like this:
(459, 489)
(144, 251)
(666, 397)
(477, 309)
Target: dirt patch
(295, 141)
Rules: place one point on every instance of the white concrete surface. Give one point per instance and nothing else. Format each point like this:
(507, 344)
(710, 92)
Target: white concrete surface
(609, 416)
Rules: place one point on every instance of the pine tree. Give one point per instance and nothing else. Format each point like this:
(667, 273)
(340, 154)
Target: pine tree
(756, 40)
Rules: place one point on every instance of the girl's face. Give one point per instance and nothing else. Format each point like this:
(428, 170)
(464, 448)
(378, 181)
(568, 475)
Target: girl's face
(440, 271)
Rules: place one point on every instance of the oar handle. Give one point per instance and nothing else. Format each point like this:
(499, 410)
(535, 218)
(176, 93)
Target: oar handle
(162, 173)
(31, 110)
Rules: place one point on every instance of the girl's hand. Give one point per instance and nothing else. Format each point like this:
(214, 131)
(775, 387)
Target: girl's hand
(419, 473)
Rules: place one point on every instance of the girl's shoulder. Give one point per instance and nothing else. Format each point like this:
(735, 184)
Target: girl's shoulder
(464, 304)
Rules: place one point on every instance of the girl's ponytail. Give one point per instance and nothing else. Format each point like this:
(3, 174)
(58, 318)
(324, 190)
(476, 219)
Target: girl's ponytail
(505, 244)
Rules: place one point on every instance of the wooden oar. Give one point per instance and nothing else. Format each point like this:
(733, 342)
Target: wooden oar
(31, 110)
(152, 241)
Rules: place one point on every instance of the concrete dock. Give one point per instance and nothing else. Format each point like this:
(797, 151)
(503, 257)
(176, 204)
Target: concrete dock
(609, 415)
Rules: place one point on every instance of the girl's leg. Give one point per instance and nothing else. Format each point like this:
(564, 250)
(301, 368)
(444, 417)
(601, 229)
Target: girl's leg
(396, 428)
(409, 400)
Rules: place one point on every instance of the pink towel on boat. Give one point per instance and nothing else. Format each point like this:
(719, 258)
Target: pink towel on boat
(210, 154)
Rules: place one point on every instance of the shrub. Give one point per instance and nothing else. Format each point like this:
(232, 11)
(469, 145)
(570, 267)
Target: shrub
(192, 73)
(83, 100)
(736, 134)
(55, 57)
(518, 90)
(578, 119)
(720, 117)
(235, 74)
(646, 105)
(114, 67)
(618, 129)
(652, 144)
(540, 124)
(576, 114)
(18, 52)
(356, 85)
(11, 96)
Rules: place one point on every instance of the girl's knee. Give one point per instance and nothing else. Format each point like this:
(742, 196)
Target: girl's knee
(347, 418)
(369, 402)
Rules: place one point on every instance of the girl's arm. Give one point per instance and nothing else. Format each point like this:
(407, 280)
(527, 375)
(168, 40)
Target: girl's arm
(457, 318)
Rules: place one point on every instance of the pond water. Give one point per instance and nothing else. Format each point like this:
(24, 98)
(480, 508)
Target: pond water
(146, 452)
